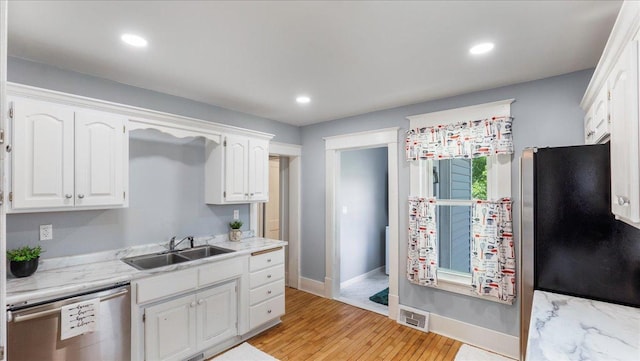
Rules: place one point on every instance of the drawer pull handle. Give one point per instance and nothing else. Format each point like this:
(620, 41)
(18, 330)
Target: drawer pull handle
(268, 276)
(269, 292)
(269, 311)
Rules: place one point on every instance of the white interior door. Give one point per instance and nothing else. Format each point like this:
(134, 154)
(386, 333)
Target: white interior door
(272, 207)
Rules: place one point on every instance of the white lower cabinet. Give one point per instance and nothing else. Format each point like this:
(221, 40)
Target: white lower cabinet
(181, 314)
(169, 330)
(266, 287)
(179, 328)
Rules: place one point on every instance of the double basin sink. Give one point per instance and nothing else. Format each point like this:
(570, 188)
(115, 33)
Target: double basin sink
(155, 260)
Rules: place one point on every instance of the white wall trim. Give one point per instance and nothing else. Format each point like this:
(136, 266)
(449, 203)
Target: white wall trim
(284, 149)
(311, 286)
(472, 112)
(481, 337)
(294, 153)
(387, 137)
(365, 139)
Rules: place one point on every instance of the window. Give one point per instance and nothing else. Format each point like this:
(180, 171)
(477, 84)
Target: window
(454, 183)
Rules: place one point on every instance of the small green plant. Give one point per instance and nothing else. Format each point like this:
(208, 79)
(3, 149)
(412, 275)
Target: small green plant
(235, 224)
(25, 253)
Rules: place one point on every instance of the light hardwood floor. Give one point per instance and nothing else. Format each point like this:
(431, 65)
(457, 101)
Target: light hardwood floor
(316, 328)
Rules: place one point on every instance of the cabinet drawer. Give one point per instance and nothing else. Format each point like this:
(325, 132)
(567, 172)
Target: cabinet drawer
(267, 259)
(266, 311)
(261, 278)
(166, 285)
(219, 271)
(265, 292)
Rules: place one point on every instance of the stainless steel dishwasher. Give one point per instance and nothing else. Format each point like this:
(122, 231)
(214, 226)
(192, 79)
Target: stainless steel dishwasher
(33, 332)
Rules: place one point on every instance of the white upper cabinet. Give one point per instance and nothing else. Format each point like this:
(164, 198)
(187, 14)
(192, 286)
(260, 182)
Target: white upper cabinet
(597, 120)
(100, 162)
(612, 102)
(42, 166)
(237, 171)
(625, 165)
(66, 158)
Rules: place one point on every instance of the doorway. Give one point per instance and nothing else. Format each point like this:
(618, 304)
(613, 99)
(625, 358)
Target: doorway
(280, 217)
(385, 138)
(362, 193)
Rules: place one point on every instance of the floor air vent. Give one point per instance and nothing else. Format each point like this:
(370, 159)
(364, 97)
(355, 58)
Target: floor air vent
(414, 318)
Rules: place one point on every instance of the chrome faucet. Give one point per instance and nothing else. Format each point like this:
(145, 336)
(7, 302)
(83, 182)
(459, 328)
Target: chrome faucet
(173, 244)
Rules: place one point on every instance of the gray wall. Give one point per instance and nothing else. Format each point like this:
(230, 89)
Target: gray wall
(546, 113)
(49, 77)
(363, 194)
(166, 188)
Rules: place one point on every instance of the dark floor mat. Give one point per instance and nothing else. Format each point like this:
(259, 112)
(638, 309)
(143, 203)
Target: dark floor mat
(381, 297)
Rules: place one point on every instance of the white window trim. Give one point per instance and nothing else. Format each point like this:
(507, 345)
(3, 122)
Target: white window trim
(498, 177)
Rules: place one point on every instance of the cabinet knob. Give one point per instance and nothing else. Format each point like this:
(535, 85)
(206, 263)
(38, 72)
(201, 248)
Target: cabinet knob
(268, 276)
(68, 196)
(591, 132)
(252, 194)
(80, 195)
(622, 201)
(268, 259)
(268, 311)
(193, 304)
(200, 302)
(269, 292)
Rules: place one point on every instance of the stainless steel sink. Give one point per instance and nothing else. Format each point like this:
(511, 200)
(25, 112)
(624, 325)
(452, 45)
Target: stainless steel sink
(150, 261)
(204, 251)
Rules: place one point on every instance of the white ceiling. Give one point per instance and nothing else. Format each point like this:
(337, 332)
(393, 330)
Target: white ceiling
(349, 57)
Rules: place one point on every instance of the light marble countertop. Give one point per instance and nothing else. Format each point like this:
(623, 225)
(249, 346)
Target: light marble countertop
(63, 276)
(571, 328)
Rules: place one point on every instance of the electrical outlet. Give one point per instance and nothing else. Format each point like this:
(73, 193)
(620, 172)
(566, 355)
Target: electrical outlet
(236, 214)
(46, 232)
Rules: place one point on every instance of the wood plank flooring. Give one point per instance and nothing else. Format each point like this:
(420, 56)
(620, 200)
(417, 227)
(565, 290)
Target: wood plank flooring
(316, 328)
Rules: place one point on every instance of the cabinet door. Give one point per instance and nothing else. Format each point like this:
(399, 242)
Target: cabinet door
(258, 170)
(100, 159)
(600, 123)
(42, 156)
(169, 330)
(236, 156)
(588, 126)
(625, 168)
(217, 315)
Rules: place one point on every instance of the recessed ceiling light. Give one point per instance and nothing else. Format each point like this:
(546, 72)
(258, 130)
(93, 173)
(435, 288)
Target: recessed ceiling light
(134, 40)
(481, 48)
(303, 99)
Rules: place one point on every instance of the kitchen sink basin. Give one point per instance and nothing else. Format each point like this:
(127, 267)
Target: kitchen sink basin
(150, 261)
(204, 251)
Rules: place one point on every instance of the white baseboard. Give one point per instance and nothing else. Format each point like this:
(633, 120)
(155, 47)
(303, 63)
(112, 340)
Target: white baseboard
(311, 286)
(481, 337)
(361, 277)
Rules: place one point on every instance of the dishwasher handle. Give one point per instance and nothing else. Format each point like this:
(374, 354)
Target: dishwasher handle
(31, 316)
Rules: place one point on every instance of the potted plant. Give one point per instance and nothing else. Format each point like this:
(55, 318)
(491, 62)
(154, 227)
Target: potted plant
(235, 234)
(24, 261)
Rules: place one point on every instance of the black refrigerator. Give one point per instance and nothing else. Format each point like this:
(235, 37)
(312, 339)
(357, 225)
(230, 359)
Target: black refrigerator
(571, 242)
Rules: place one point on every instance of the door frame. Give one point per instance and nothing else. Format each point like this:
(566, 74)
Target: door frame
(387, 137)
(294, 153)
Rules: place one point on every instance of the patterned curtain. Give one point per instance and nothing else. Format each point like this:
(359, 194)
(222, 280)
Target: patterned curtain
(477, 138)
(493, 264)
(422, 262)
